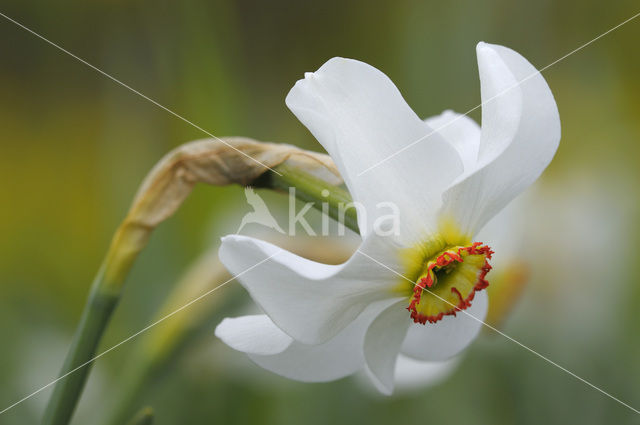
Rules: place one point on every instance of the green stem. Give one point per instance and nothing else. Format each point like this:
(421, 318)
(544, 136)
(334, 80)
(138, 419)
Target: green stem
(105, 293)
(310, 188)
(93, 322)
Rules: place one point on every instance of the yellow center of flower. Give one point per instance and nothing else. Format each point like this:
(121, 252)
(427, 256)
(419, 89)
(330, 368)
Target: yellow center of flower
(446, 278)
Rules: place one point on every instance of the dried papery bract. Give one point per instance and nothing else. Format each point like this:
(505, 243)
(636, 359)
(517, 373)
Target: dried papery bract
(237, 160)
(215, 162)
(210, 161)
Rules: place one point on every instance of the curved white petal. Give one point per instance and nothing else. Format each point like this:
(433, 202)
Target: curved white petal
(505, 232)
(255, 334)
(310, 301)
(462, 132)
(340, 356)
(520, 135)
(449, 336)
(361, 119)
(382, 345)
(411, 374)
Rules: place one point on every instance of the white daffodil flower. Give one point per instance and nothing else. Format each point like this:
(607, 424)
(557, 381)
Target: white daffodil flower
(397, 294)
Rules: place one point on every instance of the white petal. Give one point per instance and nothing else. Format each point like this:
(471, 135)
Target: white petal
(253, 334)
(340, 356)
(411, 374)
(361, 119)
(520, 135)
(505, 232)
(309, 301)
(449, 336)
(462, 132)
(382, 345)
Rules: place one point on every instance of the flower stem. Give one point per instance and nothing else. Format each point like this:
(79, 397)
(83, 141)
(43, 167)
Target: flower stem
(310, 188)
(105, 293)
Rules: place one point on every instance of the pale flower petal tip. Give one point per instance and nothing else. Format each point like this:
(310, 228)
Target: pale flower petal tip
(413, 375)
(338, 64)
(481, 45)
(331, 65)
(233, 238)
(253, 335)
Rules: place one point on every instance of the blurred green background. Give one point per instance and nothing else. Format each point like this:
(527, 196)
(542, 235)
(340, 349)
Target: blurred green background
(75, 145)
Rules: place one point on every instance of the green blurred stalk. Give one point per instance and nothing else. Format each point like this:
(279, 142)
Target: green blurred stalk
(129, 240)
(143, 417)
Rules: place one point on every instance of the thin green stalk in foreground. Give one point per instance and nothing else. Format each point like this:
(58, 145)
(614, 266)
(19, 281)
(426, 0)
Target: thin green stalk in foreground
(103, 298)
(160, 195)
